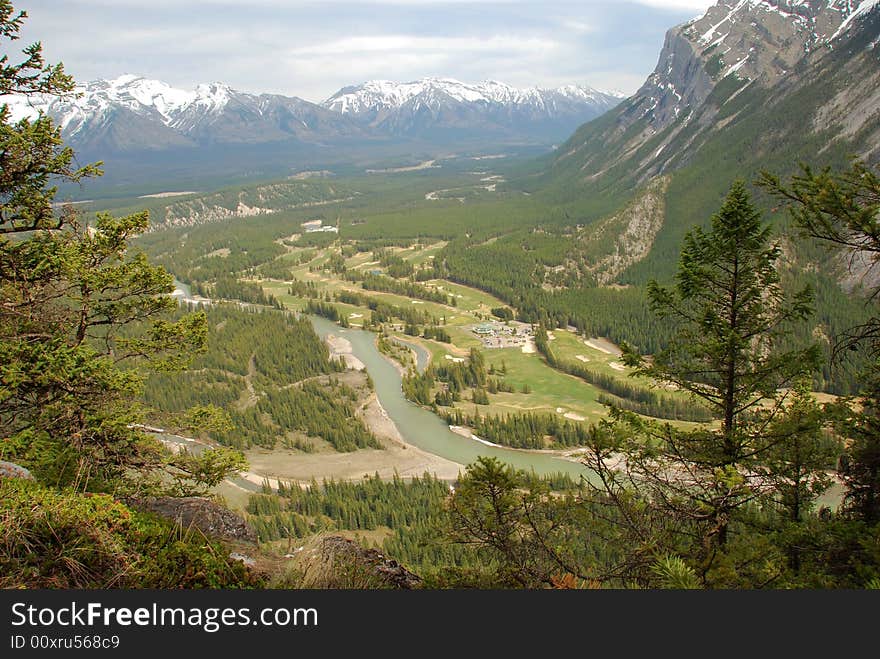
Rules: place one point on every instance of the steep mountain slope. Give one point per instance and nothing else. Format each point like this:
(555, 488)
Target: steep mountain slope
(433, 105)
(781, 83)
(741, 60)
(752, 85)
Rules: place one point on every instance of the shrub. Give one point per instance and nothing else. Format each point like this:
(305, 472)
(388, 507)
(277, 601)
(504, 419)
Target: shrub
(67, 539)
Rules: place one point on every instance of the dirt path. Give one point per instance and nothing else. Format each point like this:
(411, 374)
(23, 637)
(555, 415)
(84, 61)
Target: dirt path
(604, 345)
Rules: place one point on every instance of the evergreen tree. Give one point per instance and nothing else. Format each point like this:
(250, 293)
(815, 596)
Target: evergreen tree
(516, 520)
(730, 314)
(797, 463)
(83, 318)
(32, 153)
(843, 212)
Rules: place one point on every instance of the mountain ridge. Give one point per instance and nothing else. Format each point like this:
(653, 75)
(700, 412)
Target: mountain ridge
(690, 94)
(824, 110)
(131, 112)
(422, 106)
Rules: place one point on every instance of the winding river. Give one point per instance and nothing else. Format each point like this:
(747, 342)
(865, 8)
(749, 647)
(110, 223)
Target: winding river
(418, 426)
(424, 429)
(423, 357)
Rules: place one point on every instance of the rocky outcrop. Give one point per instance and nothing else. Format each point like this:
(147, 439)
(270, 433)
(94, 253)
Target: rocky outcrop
(760, 40)
(630, 233)
(12, 470)
(210, 518)
(343, 553)
(679, 82)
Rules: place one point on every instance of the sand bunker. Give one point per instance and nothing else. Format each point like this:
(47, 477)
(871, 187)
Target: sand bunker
(603, 345)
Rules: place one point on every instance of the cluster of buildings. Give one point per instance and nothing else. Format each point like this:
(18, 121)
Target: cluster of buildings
(511, 334)
(318, 226)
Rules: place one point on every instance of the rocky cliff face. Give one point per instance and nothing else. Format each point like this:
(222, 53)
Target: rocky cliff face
(768, 48)
(756, 40)
(212, 519)
(753, 85)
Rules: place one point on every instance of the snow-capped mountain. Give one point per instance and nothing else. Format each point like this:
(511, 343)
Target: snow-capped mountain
(750, 87)
(437, 104)
(737, 47)
(756, 40)
(130, 113)
(378, 95)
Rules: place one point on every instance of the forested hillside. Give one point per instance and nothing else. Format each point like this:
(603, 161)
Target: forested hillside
(822, 112)
(264, 368)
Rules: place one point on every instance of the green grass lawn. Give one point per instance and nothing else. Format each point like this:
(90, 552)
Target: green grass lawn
(551, 391)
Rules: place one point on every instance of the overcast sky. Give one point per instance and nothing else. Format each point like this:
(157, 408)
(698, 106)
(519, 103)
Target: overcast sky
(311, 48)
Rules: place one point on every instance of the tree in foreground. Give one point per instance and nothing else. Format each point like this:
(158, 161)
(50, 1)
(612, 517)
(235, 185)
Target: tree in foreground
(842, 210)
(32, 153)
(680, 507)
(730, 315)
(533, 533)
(83, 318)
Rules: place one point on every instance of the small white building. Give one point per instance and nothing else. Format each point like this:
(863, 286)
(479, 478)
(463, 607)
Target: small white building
(317, 226)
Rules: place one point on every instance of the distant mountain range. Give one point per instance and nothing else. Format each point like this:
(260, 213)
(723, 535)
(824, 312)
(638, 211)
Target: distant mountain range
(131, 113)
(435, 105)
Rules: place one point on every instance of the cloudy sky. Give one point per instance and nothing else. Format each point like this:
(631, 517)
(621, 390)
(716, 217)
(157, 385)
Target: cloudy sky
(311, 48)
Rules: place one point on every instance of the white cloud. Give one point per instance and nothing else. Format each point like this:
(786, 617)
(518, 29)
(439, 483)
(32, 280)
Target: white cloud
(415, 44)
(581, 27)
(695, 5)
(311, 48)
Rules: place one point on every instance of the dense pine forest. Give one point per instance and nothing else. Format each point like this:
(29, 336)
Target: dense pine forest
(264, 368)
(410, 516)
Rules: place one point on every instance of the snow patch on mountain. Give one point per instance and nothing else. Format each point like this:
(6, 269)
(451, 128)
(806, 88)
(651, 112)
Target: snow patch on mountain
(754, 40)
(132, 112)
(385, 95)
(863, 8)
(96, 100)
(802, 14)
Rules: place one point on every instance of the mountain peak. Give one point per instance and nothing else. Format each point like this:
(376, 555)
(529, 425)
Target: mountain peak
(124, 79)
(131, 112)
(379, 97)
(754, 51)
(755, 40)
